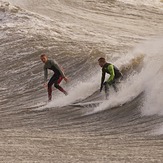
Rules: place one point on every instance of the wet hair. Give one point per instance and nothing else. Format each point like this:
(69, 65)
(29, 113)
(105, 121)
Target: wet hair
(43, 55)
(101, 59)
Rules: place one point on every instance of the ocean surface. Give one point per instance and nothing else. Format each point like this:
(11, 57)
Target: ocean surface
(126, 128)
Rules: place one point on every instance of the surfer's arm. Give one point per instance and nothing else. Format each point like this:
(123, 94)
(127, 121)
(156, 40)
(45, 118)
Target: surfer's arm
(45, 74)
(112, 73)
(102, 80)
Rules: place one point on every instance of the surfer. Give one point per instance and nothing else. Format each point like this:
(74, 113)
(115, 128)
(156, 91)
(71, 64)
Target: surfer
(57, 77)
(115, 75)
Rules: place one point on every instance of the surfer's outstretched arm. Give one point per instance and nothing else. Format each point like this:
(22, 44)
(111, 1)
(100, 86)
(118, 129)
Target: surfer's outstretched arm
(102, 80)
(45, 74)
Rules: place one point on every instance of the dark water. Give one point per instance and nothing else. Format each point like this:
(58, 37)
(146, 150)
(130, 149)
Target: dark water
(127, 128)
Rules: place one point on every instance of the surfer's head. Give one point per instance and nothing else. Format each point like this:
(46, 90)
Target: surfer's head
(101, 61)
(44, 58)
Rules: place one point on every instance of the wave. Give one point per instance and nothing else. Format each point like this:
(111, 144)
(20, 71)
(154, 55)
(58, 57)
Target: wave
(76, 33)
(147, 80)
(76, 44)
(143, 75)
(157, 3)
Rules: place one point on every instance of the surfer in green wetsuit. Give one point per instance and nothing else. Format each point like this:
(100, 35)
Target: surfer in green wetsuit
(57, 77)
(115, 75)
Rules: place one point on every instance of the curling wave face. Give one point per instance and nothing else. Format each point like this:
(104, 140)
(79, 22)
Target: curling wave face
(76, 33)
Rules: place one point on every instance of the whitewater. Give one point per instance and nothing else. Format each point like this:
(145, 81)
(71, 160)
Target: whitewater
(126, 128)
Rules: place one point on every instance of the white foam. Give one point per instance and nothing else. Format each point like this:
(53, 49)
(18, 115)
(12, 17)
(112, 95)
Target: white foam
(158, 130)
(3, 89)
(128, 91)
(78, 91)
(154, 70)
(152, 3)
(149, 80)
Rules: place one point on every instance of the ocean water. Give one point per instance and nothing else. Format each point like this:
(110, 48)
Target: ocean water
(126, 128)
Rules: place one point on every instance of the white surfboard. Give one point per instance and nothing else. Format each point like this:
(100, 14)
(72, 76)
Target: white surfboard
(87, 104)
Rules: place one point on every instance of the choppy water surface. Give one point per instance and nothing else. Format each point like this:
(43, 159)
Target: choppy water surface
(126, 128)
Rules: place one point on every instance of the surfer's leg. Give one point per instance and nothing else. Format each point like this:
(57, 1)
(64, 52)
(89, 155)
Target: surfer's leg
(56, 85)
(49, 93)
(50, 83)
(115, 83)
(115, 87)
(61, 89)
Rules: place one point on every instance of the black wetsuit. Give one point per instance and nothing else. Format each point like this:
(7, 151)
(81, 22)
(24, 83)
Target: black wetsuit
(55, 79)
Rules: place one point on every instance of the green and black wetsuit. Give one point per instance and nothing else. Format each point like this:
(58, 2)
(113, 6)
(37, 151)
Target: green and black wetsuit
(114, 73)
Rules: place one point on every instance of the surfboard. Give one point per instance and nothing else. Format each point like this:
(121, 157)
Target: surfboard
(87, 104)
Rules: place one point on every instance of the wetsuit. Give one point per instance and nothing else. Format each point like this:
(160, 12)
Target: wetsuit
(115, 75)
(55, 79)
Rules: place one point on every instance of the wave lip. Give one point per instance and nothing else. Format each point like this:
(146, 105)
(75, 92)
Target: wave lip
(152, 3)
(7, 7)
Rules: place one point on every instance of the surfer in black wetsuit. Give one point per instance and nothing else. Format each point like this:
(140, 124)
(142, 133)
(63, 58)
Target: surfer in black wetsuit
(55, 79)
(115, 75)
